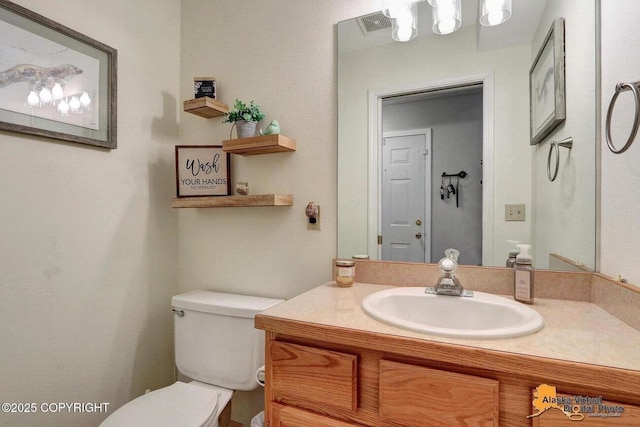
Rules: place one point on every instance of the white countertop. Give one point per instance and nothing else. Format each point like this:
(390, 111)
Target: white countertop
(574, 331)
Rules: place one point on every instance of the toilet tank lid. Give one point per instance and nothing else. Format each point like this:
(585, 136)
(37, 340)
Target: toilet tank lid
(223, 303)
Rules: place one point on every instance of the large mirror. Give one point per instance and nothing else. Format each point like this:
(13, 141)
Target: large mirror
(457, 106)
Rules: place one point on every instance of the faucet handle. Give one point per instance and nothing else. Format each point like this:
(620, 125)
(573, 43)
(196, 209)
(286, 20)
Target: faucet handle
(452, 253)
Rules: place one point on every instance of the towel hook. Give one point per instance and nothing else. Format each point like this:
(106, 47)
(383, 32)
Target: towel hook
(623, 87)
(566, 143)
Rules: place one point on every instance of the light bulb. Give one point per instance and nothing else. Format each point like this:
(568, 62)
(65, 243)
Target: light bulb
(447, 27)
(404, 34)
(495, 17)
(32, 99)
(85, 100)
(45, 95)
(57, 92)
(74, 103)
(63, 107)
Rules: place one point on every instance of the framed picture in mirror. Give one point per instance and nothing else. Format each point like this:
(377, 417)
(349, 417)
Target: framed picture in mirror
(547, 84)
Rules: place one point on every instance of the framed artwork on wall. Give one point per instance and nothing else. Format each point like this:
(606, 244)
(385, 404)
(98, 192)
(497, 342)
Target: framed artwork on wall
(202, 170)
(547, 84)
(54, 81)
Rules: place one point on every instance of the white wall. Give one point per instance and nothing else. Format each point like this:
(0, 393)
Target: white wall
(369, 69)
(282, 54)
(564, 210)
(620, 174)
(89, 241)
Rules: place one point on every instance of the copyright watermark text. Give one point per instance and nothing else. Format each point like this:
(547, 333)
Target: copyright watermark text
(54, 407)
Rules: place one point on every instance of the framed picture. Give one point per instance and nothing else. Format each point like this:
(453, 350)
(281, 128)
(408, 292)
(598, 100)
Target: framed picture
(547, 85)
(54, 81)
(202, 170)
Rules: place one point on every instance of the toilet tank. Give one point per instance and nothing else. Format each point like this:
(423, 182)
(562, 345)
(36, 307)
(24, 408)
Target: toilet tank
(215, 340)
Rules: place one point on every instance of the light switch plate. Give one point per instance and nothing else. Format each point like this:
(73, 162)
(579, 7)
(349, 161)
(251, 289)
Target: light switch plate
(514, 212)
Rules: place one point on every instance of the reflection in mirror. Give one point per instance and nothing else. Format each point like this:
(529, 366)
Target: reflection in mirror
(411, 112)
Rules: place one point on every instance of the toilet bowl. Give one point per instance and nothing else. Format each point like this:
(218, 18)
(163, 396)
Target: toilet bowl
(217, 346)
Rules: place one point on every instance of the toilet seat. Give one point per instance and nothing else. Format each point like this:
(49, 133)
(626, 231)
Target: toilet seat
(191, 404)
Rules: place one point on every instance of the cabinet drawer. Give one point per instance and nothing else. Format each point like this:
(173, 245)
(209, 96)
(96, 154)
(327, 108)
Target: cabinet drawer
(415, 396)
(553, 417)
(301, 374)
(286, 416)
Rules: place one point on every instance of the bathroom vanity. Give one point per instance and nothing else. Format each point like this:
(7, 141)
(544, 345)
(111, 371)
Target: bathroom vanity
(328, 364)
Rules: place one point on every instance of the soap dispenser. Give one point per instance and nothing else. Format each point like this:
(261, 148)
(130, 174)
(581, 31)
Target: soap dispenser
(523, 276)
(511, 260)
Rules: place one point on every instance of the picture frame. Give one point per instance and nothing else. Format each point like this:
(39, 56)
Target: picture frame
(202, 170)
(547, 100)
(54, 81)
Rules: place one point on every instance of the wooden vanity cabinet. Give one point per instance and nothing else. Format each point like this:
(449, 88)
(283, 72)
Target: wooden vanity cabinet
(342, 378)
(311, 385)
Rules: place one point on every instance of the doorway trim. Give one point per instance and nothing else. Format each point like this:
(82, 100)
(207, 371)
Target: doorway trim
(375, 146)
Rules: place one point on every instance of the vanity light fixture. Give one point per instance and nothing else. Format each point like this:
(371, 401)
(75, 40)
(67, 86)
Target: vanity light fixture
(446, 16)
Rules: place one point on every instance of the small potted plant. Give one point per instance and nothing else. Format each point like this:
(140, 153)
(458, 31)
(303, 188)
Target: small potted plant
(245, 118)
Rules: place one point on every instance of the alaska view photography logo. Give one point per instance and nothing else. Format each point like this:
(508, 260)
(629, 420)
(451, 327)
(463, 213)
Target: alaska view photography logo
(575, 408)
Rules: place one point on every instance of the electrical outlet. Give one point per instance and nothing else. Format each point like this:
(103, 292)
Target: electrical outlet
(514, 213)
(314, 225)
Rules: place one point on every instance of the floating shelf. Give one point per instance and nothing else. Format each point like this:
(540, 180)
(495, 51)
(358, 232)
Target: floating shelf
(259, 145)
(206, 107)
(233, 201)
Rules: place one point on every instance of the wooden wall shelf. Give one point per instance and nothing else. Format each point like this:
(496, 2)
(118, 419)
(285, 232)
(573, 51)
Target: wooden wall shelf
(205, 107)
(259, 145)
(233, 201)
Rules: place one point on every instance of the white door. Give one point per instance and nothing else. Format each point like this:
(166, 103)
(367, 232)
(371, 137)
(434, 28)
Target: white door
(406, 200)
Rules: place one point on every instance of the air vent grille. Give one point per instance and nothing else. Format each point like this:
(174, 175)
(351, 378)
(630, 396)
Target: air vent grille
(374, 22)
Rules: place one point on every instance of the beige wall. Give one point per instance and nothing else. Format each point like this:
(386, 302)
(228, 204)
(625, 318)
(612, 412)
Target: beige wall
(620, 175)
(89, 242)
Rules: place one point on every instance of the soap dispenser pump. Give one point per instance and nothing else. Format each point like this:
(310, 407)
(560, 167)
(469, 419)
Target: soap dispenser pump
(523, 276)
(511, 260)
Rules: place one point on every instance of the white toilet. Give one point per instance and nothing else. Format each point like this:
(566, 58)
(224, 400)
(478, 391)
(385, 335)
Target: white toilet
(218, 347)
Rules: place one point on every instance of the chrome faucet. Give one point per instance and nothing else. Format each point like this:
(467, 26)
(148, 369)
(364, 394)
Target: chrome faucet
(448, 283)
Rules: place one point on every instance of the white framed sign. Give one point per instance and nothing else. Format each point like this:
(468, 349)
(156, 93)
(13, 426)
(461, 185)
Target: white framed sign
(202, 170)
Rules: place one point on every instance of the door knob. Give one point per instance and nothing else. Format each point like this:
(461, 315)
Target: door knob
(418, 235)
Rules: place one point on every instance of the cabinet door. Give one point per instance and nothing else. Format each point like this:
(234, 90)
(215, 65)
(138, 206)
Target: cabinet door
(286, 416)
(415, 396)
(302, 375)
(594, 415)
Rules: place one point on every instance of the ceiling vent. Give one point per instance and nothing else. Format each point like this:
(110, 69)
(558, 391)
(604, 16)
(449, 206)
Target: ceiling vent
(373, 22)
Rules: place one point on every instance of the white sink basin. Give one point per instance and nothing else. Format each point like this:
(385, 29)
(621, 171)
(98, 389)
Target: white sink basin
(481, 316)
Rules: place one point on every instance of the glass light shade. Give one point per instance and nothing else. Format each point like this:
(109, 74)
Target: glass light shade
(32, 99)
(494, 12)
(45, 95)
(63, 107)
(404, 26)
(57, 92)
(74, 103)
(394, 8)
(446, 16)
(85, 100)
